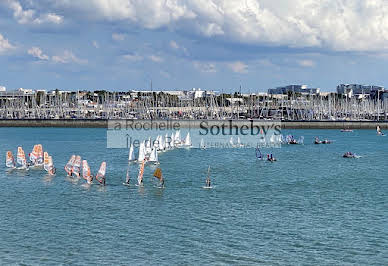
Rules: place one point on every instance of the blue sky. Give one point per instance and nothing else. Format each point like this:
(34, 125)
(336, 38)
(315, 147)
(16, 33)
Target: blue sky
(181, 44)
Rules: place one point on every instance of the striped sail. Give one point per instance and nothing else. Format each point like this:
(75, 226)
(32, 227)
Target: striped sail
(10, 161)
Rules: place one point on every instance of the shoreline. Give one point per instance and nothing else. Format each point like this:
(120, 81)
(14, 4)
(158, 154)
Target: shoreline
(103, 123)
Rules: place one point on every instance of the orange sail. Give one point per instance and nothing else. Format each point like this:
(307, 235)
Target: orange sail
(21, 158)
(100, 177)
(86, 172)
(141, 172)
(46, 163)
(10, 161)
(158, 173)
(69, 165)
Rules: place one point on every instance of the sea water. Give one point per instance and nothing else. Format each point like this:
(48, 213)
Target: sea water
(310, 207)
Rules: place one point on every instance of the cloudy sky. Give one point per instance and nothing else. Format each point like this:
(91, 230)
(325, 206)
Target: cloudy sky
(211, 44)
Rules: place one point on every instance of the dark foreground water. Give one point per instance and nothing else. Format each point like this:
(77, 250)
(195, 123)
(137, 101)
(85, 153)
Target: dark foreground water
(311, 207)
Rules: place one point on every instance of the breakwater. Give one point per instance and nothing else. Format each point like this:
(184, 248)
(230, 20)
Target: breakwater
(103, 123)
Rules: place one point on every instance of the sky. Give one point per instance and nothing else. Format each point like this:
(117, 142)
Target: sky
(184, 44)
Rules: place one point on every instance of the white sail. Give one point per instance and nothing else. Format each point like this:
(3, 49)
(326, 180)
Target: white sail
(161, 144)
(148, 147)
(167, 142)
(188, 140)
(231, 141)
(172, 143)
(178, 136)
(153, 156)
(202, 144)
(141, 156)
(131, 156)
(238, 142)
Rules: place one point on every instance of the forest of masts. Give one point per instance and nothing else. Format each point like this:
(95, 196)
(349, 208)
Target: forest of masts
(152, 105)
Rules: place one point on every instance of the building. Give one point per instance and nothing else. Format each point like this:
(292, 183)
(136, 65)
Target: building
(302, 89)
(359, 91)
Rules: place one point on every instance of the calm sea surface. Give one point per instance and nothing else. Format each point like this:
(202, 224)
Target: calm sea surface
(311, 207)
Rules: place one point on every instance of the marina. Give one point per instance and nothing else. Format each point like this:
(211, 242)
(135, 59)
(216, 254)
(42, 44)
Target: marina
(311, 203)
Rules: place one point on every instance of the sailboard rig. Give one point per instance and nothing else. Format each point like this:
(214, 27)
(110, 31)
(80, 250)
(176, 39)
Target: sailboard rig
(131, 156)
(259, 155)
(21, 159)
(10, 161)
(86, 174)
(142, 152)
(37, 155)
(48, 164)
(208, 181)
(141, 173)
(158, 174)
(77, 166)
(187, 143)
(100, 177)
(69, 165)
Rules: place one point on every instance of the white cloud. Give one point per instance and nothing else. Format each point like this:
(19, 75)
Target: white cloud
(68, 57)
(132, 57)
(118, 37)
(155, 58)
(238, 67)
(38, 53)
(5, 45)
(205, 67)
(174, 45)
(341, 25)
(306, 63)
(29, 16)
(95, 44)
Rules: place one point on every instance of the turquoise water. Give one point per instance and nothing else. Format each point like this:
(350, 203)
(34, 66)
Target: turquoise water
(310, 207)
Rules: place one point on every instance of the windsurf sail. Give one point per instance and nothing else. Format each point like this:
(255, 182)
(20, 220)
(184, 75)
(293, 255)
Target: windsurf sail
(21, 159)
(258, 153)
(188, 140)
(51, 168)
(100, 177)
(141, 172)
(231, 141)
(10, 161)
(46, 162)
(172, 143)
(158, 173)
(86, 174)
(39, 152)
(131, 156)
(141, 156)
(34, 154)
(69, 165)
(77, 166)
(208, 182)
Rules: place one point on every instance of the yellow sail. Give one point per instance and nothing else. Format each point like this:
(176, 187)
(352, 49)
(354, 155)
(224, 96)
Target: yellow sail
(158, 173)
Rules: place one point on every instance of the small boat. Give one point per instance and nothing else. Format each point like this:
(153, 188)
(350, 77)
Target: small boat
(69, 165)
(350, 155)
(100, 177)
(187, 143)
(10, 161)
(131, 156)
(86, 174)
(326, 141)
(202, 145)
(21, 160)
(379, 132)
(346, 130)
(158, 174)
(317, 141)
(153, 157)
